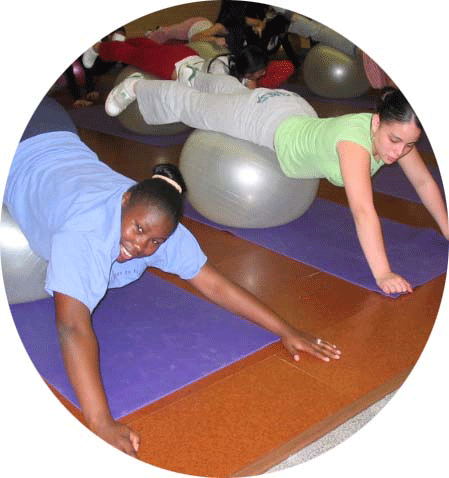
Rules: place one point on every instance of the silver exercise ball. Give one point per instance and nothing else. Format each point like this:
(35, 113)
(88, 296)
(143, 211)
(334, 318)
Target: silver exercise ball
(23, 271)
(240, 184)
(132, 120)
(207, 50)
(332, 74)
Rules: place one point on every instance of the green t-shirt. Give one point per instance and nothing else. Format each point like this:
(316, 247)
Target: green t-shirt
(307, 147)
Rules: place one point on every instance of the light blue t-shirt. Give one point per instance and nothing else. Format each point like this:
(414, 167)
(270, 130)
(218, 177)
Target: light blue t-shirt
(68, 205)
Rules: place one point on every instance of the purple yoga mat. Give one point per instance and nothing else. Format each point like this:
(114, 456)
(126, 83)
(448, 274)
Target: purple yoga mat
(325, 238)
(96, 119)
(391, 180)
(154, 338)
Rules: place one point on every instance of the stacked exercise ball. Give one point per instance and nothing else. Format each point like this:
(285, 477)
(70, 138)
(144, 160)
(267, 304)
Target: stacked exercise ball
(236, 183)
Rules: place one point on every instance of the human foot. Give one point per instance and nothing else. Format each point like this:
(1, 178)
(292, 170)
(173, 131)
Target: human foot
(122, 95)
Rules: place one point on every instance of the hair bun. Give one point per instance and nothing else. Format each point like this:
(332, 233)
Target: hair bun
(172, 173)
(393, 106)
(386, 92)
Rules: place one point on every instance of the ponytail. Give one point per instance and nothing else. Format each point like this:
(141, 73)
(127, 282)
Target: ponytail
(249, 60)
(394, 107)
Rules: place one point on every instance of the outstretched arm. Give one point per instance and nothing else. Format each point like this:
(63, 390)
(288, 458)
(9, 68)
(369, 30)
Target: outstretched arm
(80, 353)
(220, 290)
(355, 169)
(426, 187)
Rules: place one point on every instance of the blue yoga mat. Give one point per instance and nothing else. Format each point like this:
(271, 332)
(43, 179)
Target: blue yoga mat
(154, 338)
(325, 238)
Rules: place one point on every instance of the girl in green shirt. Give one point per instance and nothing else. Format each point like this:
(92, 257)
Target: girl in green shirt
(346, 150)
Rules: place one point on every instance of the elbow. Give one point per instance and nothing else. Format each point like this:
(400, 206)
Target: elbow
(363, 214)
(72, 329)
(67, 332)
(210, 283)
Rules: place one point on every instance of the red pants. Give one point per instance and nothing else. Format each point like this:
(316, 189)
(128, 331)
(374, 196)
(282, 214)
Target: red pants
(277, 73)
(160, 59)
(146, 55)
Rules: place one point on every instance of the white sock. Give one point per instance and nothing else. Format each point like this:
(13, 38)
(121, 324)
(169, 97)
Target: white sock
(118, 37)
(89, 57)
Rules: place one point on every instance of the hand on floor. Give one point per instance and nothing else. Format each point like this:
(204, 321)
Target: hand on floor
(118, 435)
(93, 96)
(82, 103)
(300, 341)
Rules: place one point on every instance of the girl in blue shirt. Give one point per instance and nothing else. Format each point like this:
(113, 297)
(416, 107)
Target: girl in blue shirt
(98, 229)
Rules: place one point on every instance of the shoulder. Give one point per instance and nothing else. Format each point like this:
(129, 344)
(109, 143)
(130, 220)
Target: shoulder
(356, 120)
(348, 148)
(355, 128)
(181, 237)
(181, 254)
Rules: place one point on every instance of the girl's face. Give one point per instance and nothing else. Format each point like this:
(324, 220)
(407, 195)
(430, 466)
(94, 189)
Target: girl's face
(144, 229)
(392, 141)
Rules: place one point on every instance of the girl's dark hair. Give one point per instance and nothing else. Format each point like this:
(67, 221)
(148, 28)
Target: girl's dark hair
(233, 16)
(160, 193)
(393, 106)
(249, 60)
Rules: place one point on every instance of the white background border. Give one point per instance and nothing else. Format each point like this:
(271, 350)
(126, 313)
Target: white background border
(409, 41)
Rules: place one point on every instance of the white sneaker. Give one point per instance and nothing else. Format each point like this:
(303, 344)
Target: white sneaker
(186, 74)
(89, 58)
(122, 95)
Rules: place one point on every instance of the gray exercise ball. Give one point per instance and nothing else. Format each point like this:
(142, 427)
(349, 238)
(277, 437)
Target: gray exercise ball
(332, 74)
(207, 50)
(23, 271)
(239, 184)
(132, 119)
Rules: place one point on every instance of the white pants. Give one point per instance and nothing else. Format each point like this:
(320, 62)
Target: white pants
(252, 115)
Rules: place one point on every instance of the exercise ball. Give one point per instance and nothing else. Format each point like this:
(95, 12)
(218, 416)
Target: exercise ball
(332, 74)
(207, 50)
(132, 120)
(23, 271)
(237, 183)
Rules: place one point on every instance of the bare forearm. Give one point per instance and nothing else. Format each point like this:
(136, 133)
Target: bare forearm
(80, 353)
(369, 233)
(432, 199)
(239, 301)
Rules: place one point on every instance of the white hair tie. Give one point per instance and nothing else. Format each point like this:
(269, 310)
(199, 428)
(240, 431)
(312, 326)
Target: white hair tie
(170, 181)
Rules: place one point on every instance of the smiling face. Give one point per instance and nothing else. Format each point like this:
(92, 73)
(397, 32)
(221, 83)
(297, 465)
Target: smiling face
(393, 140)
(144, 229)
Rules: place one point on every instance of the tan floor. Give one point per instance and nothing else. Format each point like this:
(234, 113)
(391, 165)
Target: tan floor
(255, 413)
